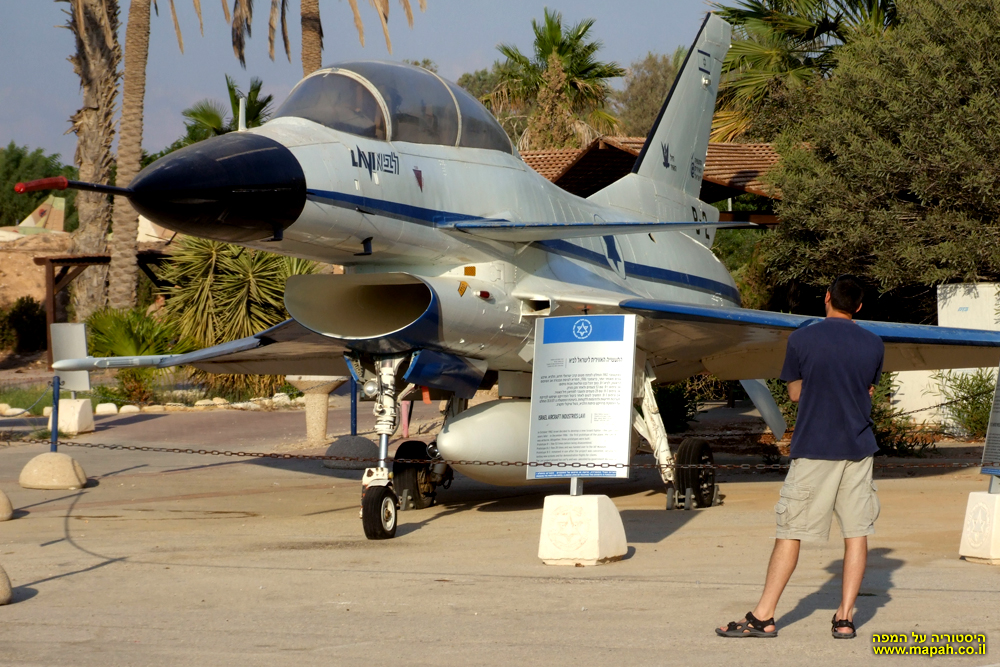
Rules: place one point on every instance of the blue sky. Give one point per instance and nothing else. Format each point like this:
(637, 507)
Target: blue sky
(39, 91)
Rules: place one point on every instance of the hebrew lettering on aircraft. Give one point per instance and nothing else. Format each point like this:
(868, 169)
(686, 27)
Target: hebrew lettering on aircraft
(697, 167)
(385, 163)
(668, 158)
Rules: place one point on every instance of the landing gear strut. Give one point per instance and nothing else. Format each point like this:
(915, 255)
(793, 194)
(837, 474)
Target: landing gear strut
(379, 503)
(686, 487)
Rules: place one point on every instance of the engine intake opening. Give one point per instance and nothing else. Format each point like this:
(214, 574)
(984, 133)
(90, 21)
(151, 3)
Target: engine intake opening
(357, 306)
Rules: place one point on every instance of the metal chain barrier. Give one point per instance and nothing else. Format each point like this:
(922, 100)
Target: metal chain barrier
(503, 464)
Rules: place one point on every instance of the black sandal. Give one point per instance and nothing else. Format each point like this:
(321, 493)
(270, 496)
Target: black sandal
(748, 627)
(843, 623)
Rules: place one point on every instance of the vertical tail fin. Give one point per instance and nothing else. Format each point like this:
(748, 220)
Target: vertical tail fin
(676, 147)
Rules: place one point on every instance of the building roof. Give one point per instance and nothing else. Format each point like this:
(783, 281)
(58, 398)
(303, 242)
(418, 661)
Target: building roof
(730, 169)
(551, 163)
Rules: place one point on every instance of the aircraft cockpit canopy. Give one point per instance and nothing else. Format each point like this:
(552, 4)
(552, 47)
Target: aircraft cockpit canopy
(422, 108)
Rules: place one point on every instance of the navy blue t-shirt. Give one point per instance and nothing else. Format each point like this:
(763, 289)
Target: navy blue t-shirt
(838, 362)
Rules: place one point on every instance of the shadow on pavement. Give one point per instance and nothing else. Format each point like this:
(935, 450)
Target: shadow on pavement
(22, 593)
(875, 590)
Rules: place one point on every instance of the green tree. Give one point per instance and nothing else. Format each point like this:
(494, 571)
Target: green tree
(779, 45)
(18, 164)
(647, 84)
(123, 271)
(895, 175)
(522, 78)
(551, 125)
(208, 118)
(96, 60)
(481, 83)
(426, 63)
(223, 293)
(129, 333)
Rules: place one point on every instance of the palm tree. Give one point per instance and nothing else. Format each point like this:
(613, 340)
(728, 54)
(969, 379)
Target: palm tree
(782, 44)
(586, 78)
(224, 292)
(208, 118)
(94, 24)
(312, 27)
(123, 271)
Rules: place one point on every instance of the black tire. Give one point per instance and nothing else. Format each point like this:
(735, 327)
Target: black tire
(695, 451)
(378, 513)
(408, 478)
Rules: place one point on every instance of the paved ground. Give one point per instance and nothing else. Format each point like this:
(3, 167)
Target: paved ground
(181, 559)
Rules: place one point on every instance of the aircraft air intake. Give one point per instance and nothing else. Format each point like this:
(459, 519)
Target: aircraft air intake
(363, 307)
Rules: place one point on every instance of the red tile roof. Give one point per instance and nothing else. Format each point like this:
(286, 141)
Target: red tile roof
(737, 166)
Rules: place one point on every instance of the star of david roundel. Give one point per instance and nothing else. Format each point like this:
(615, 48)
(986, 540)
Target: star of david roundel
(582, 329)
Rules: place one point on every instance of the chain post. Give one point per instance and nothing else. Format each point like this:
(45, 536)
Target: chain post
(54, 441)
(354, 406)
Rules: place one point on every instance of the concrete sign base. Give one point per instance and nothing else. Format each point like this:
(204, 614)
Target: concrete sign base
(75, 416)
(53, 470)
(980, 533)
(581, 530)
(317, 390)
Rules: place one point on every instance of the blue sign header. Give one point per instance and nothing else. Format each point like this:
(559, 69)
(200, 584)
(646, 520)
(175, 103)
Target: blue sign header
(586, 329)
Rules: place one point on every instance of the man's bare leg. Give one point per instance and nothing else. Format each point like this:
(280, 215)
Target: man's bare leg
(784, 558)
(855, 561)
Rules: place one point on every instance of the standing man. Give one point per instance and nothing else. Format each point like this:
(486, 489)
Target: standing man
(831, 368)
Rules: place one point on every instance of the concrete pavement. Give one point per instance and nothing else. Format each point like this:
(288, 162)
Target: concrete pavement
(182, 559)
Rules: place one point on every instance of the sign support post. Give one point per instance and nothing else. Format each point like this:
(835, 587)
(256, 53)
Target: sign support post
(981, 532)
(581, 427)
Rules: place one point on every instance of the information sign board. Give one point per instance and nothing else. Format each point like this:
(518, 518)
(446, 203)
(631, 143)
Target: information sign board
(991, 452)
(581, 395)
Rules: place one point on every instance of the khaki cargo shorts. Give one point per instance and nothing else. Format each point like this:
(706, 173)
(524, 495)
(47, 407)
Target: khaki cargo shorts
(815, 490)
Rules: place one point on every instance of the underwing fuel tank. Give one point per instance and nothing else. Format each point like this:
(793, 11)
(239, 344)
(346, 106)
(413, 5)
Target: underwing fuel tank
(396, 312)
(494, 431)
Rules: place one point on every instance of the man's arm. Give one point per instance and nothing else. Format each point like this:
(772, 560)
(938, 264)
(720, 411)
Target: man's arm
(795, 390)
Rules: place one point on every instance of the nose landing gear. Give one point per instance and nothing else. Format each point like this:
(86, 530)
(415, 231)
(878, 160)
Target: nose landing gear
(379, 503)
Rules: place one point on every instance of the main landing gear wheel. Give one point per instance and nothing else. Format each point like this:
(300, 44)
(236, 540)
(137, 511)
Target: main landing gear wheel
(411, 480)
(378, 512)
(701, 481)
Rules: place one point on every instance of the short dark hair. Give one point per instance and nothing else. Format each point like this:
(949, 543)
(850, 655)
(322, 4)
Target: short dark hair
(846, 294)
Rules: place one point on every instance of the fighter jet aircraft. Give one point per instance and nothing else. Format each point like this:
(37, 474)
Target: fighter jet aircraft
(454, 247)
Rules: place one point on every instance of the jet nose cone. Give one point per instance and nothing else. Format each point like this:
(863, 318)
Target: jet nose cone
(239, 187)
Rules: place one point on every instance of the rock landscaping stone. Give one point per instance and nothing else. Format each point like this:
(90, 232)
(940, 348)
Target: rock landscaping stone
(6, 592)
(281, 400)
(205, 403)
(153, 408)
(53, 470)
(6, 509)
(220, 401)
(106, 409)
(128, 409)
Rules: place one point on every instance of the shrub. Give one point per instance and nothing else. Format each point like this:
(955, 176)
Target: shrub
(972, 394)
(22, 326)
(128, 333)
(676, 406)
(222, 293)
(895, 434)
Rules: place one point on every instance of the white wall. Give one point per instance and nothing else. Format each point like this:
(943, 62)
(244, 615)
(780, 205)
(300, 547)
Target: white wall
(959, 306)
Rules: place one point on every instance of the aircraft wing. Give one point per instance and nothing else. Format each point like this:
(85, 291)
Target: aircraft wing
(530, 232)
(743, 344)
(285, 349)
